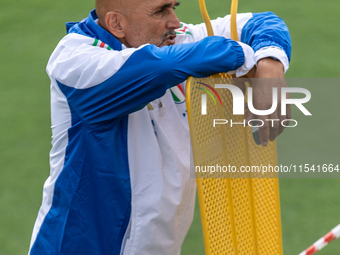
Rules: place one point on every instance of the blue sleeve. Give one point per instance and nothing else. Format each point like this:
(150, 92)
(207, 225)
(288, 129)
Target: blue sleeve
(148, 73)
(267, 29)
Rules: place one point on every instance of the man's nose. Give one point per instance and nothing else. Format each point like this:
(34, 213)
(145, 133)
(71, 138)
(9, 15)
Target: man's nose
(173, 22)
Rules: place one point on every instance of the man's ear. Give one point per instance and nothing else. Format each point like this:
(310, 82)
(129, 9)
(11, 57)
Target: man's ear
(113, 22)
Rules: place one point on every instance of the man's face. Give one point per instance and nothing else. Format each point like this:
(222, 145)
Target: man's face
(151, 21)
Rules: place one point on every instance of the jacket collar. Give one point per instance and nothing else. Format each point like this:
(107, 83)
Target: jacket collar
(89, 27)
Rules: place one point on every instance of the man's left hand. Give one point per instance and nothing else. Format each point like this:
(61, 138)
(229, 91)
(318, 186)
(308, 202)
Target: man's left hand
(269, 74)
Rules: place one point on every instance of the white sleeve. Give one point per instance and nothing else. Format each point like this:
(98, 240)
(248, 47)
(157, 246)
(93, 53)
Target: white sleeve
(221, 26)
(249, 60)
(273, 51)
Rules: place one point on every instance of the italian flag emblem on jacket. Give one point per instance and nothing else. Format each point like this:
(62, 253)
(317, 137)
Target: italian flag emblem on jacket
(178, 94)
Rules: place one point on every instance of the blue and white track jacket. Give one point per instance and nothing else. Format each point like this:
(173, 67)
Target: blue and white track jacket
(119, 181)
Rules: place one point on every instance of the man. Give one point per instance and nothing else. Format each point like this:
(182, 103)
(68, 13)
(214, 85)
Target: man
(119, 180)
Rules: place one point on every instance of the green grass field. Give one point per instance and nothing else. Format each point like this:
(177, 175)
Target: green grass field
(31, 29)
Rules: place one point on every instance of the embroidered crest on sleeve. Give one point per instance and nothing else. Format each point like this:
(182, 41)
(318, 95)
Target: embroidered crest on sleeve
(183, 30)
(101, 44)
(177, 94)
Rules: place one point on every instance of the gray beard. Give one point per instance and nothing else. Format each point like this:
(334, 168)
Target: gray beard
(166, 35)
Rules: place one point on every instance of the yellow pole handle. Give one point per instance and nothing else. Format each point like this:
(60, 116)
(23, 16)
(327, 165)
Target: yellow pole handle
(205, 17)
(233, 21)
